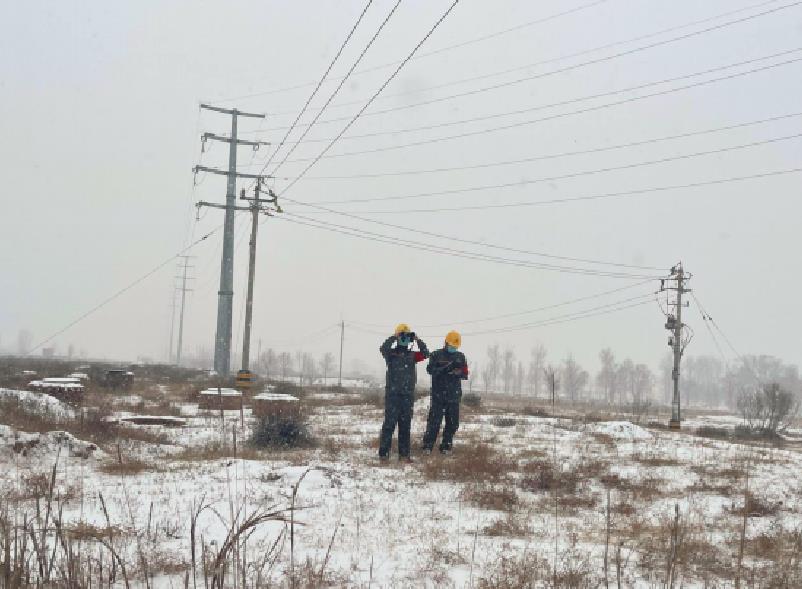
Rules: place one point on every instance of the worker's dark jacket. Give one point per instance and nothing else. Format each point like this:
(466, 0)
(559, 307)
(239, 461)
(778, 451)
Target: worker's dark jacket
(401, 373)
(448, 370)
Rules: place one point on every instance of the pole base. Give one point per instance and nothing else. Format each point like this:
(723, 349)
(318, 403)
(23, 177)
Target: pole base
(674, 424)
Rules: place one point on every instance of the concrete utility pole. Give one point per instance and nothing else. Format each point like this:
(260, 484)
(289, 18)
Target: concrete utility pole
(172, 326)
(674, 324)
(255, 208)
(222, 340)
(342, 341)
(184, 290)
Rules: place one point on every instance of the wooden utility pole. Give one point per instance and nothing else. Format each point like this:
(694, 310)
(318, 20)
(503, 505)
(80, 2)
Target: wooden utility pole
(342, 341)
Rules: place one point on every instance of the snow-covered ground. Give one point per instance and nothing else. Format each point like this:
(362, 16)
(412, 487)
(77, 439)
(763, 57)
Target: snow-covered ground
(519, 494)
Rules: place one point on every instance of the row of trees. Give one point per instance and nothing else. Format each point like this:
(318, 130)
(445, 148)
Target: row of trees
(704, 381)
(302, 365)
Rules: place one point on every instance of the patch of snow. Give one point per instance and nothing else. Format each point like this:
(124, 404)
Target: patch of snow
(221, 392)
(621, 430)
(40, 402)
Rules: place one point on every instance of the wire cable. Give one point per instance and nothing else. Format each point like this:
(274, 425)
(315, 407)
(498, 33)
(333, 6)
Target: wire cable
(432, 52)
(585, 110)
(361, 234)
(319, 84)
(572, 175)
(553, 59)
(123, 290)
(372, 98)
(607, 195)
(485, 165)
(569, 68)
(337, 89)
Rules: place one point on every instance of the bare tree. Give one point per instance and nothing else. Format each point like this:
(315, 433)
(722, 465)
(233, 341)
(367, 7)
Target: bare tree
(536, 364)
(552, 381)
(606, 379)
(625, 376)
(768, 410)
(326, 364)
(493, 363)
(643, 383)
(519, 378)
(285, 364)
(508, 369)
(574, 378)
(487, 377)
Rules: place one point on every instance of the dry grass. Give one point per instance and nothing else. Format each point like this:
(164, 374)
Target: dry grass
(218, 451)
(512, 525)
(498, 497)
(475, 463)
(657, 461)
(757, 506)
(125, 468)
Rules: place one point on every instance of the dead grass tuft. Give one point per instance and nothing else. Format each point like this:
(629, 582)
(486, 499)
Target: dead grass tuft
(479, 463)
(512, 525)
(489, 496)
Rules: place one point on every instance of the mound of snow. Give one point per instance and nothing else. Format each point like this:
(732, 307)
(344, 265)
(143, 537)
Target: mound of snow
(621, 430)
(46, 445)
(39, 402)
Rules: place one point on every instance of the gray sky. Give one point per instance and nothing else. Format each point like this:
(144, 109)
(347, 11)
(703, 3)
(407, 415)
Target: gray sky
(100, 127)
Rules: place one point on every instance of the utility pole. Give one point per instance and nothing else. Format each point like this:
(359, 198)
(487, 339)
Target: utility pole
(172, 326)
(222, 340)
(255, 208)
(184, 290)
(675, 325)
(342, 341)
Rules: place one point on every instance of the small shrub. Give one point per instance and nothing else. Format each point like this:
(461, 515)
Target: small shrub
(757, 506)
(489, 496)
(512, 525)
(282, 432)
(533, 411)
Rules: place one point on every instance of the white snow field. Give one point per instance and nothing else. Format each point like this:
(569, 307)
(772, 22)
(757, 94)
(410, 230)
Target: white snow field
(524, 501)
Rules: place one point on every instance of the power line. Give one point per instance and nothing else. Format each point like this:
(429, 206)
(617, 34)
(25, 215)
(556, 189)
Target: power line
(582, 110)
(554, 59)
(337, 89)
(431, 53)
(592, 312)
(606, 195)
(361, 234)
(564, 69)
(456, 239)
(372, 98)
(320, 82)
(124, 290)
(556, 155)
(568, 176)
(542, 308)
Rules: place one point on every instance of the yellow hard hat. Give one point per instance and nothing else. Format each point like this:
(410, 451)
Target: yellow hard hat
(402, 328)
(454, 339)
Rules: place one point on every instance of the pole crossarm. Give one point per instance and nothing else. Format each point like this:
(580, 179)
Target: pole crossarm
(215, 137)
(232, 111)
(197, 169)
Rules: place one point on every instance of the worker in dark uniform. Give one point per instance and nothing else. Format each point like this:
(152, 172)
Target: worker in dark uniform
(448, 368)
(399, 392)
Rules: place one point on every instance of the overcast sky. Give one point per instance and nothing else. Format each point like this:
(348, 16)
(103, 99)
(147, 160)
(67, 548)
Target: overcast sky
(101, 126)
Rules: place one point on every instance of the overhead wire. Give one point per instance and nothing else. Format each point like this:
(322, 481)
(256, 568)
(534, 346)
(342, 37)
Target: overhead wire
(422, 55)
(319, 84)
(362, 234)
(541, 308)
(563, 57)
(586, 198)
(543, 157)
(565, 69)
(372, 98)
(123, 290)
(571, 175)
(584, 110)
(337, 89)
